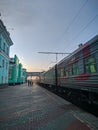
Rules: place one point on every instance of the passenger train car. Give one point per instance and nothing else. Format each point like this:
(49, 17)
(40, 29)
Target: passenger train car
(76, 74)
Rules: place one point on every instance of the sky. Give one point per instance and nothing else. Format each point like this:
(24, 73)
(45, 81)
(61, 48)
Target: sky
(48, 26)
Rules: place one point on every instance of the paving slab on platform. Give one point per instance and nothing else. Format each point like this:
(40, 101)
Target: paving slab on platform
(35, 108)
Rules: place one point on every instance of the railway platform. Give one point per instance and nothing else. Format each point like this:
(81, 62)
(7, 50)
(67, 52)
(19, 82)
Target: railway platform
(25, 107)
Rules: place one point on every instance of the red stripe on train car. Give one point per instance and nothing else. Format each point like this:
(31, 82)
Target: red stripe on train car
(90, 85)
(82, 77)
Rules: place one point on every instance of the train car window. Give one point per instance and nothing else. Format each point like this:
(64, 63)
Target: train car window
(90, 65)
(66, 72)
(75, 69)
(61, 72)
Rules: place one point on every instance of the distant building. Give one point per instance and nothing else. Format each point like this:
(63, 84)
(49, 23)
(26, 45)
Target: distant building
(24, 73)
(5, 43)
(13, 70)
(20, 77)
(17, 75)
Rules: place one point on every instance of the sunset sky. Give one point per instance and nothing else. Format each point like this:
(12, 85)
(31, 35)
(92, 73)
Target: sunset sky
(48, 26)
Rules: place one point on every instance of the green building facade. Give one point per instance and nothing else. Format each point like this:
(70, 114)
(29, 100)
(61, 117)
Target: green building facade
(16, 75)
(5, 43)
(24, 73)
(20, 76)
(13, 70)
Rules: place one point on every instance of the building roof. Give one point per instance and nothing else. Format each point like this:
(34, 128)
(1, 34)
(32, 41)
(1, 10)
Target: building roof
(5, 33)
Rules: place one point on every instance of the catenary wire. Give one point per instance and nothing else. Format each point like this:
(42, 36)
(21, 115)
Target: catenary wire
(86, 26)
(75, 17)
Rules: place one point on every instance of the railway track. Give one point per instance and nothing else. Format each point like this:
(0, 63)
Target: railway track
(90, 108)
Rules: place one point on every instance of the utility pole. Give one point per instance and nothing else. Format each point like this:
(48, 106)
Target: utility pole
(56, 53)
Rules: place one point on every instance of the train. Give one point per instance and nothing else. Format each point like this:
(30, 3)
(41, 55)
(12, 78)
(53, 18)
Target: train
(76, 75)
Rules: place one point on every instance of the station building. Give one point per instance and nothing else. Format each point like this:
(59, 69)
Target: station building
(5, 43)
(13, 70)
(24, 73)
(17, 74)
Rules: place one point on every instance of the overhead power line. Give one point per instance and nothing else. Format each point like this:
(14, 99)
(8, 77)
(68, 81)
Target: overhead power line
(86, 25)
(53, 53)
(56, 53)
(74, 18)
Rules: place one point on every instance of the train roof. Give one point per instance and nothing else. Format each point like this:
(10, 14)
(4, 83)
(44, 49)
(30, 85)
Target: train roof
(75, 52)
(80, 48)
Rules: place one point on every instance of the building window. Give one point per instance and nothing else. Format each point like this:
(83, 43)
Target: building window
(10, 72)
(5, 79)
(7, 51)
(6, 65)
(90, 65)
(0, 42)
(2, 79)
(75, 69)
(3, 63)
(4, 46)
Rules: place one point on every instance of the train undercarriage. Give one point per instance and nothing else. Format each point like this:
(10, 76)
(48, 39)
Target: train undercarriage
(84, 99)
